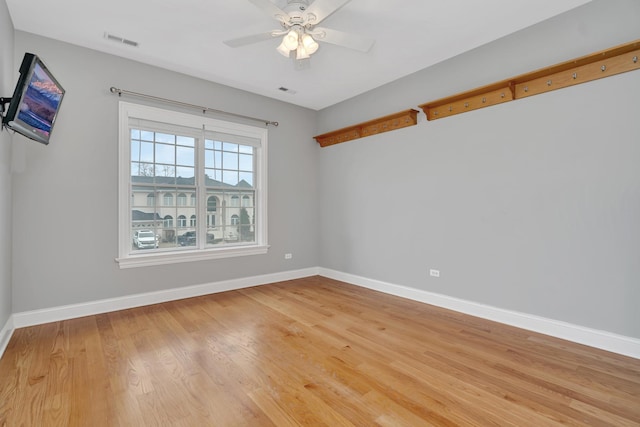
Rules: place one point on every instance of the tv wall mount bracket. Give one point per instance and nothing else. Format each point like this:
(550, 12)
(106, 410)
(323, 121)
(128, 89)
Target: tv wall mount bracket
(3, 102)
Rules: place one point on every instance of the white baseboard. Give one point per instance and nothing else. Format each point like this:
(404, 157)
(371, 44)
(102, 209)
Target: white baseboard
(55, 314)
(5, 334)
(592, 337)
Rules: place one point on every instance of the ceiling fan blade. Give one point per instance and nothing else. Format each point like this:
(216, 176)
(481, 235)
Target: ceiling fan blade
(254, 38)
(340, 38)
(271, 9)
(323, 8)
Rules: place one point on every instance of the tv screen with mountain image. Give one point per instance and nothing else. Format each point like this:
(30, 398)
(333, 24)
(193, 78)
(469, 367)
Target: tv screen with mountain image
(36, 101)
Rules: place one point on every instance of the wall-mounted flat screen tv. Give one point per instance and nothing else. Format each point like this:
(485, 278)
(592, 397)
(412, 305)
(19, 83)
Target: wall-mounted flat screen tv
(36, 101)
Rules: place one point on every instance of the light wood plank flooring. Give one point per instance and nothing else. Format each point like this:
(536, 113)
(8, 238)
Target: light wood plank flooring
(311, 352)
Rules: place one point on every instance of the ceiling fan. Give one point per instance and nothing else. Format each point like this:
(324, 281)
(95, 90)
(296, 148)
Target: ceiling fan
(300, 34)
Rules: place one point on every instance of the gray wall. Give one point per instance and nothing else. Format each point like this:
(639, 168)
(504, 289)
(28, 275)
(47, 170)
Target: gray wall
(65, 196)
(531, 206)
(7, 74)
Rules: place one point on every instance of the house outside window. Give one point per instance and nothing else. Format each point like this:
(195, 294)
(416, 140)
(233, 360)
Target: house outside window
(201, 167)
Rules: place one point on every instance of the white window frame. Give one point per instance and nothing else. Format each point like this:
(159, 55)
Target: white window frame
(127, 258)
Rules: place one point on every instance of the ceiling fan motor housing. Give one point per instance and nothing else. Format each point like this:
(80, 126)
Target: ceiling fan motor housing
(296, 15)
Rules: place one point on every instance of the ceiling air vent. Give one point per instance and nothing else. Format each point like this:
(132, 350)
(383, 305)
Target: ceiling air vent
(122, 40)
(287, 90)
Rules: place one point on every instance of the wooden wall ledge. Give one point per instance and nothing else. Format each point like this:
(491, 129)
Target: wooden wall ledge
(598, 65)
(372, 127)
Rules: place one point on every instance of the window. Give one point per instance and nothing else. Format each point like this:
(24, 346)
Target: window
(212, 207)
(200, 168)
(212, 203)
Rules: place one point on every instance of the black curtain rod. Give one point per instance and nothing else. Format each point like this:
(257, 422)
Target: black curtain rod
(121, 92)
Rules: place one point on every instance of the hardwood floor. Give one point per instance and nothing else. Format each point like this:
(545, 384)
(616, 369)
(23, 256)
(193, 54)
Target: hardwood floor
(312, 352)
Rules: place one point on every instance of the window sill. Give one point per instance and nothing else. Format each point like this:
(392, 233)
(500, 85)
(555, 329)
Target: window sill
(151, 259)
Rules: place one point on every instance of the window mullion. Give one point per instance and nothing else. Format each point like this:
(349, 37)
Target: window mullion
(201, 193)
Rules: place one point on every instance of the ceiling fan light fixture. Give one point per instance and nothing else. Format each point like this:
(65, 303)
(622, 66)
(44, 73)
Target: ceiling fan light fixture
(284, 50)
(291, 40)
(310, 45)
(301, 52)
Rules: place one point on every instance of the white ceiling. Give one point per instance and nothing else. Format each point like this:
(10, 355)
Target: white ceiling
(186, 36)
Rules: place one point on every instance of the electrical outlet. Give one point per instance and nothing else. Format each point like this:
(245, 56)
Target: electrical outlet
(434, 273)
(288, 256)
